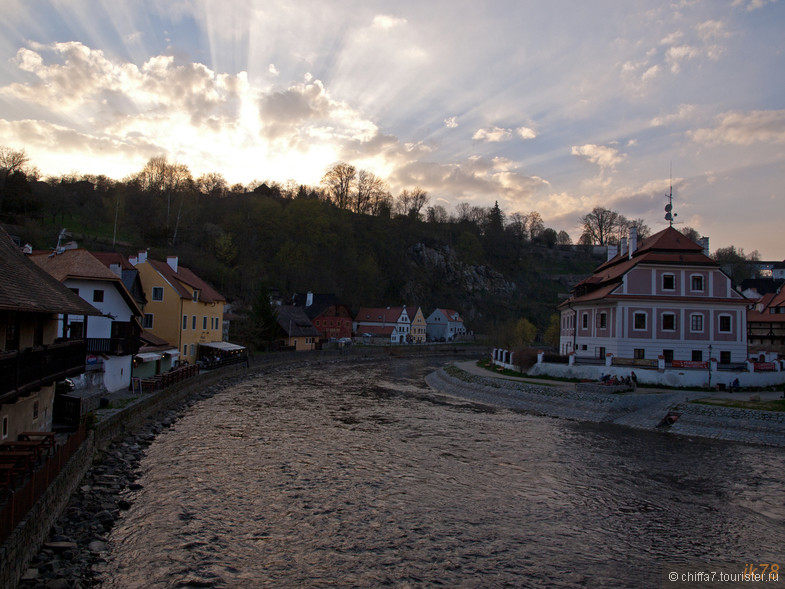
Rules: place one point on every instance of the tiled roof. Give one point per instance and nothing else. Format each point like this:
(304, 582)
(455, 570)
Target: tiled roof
(450, 313)
(295, 323)
(667, 247)
(184, 276)
(26, 287)
(77, 263)
(319, 304)
(378, 329)
(379, 314)
(109, 258)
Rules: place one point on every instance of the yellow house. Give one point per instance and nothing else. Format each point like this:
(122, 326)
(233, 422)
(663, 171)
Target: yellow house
(181, 308)
(419, 325)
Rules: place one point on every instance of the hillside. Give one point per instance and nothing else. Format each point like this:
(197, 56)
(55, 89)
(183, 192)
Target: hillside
(492, 274)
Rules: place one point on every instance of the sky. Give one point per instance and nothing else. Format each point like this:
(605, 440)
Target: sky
(554, 107)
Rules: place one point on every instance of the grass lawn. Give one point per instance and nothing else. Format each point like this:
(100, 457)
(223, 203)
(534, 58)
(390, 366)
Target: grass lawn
(772, 405)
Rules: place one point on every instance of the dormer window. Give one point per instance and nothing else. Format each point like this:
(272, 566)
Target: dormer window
(196, 296)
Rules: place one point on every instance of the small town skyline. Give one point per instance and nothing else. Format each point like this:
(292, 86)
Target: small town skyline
(556, 108)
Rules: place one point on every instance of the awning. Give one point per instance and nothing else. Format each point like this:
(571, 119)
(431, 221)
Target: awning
(223, 346)
(172, 353)
(148, 356)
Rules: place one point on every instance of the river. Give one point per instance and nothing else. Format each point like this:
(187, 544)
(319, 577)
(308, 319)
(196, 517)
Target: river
(358, 475)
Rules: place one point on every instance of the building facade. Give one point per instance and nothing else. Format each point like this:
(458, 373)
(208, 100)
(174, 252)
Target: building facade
(392, 323)
(665, 298)
(181, 308)
(445, 325)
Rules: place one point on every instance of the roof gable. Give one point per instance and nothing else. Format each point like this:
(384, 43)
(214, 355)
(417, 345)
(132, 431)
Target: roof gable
(25, 287)
(185, 277)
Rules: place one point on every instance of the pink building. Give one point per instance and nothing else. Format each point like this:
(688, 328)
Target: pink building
(663, 298)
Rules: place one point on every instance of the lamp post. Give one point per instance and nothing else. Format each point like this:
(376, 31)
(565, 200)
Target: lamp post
(709, 365)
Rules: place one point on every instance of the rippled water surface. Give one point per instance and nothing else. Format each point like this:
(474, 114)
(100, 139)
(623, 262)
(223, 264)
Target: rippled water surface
(361, 476)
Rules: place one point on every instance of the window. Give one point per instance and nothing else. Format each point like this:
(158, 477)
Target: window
(725, 324)
(639, 321)
(75, 291)
(196, 296)
(697, 356)
(696, 322)
(147, 322)
(639, 353)
(602, 321)
(185, 350)
(35, 410)
(724, 357)
(696, 283)
(668, 282)
(585, 321)
(668, 322)
(98, 296)
(204, 322)
(193, 322)
(193, 349)
(185, 321)
(600, 352)
(5, 426)
(583, 347)
(158, 293)
(668, 356)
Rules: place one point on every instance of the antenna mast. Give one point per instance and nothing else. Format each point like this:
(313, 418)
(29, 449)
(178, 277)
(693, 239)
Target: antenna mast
(669, 214)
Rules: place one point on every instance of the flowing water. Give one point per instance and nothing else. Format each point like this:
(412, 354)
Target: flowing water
(361, 476)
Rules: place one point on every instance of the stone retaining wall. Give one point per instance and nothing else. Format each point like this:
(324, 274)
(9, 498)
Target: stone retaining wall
(641, 411)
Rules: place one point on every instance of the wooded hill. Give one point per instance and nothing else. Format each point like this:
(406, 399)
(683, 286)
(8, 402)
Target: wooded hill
(493, 270)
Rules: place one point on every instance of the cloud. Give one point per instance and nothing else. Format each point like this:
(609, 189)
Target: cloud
(740, 128)
(273, 70)
(684, 112)
(526, 133)
(752, 4)
(385, 21)
(451, 122)
(492, 135)
(601, 155)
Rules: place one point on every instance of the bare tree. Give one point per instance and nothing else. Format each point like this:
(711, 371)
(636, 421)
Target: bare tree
(600, 226)
(536, 225)
(563, 238)
(11, 160)
(691, 233)
(369, 188)
(167, 179)
(463, 211)
(437, 214)
(338, 182)
(212, 184)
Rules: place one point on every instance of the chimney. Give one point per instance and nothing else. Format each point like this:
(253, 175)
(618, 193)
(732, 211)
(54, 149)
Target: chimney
(623, 250)
(172, 261)
(133, 260)
(704, 242)
(309, 299)
(116, 269)
(633, 240)
(142, 257)
(612, 251)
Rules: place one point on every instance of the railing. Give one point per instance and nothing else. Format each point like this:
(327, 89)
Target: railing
(25, 371)
(555, 359)
(167, 379)
(592, 360)
(19, 500)
(117, 346)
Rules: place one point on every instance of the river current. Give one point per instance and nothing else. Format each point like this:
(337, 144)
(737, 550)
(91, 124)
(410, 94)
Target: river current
(359, 475)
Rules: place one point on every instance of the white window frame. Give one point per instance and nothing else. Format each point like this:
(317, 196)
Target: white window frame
(645, 316)
(694, 316)
(195, 297)
(160, 291)
(730, 323)
(185, 322)
(662, 324)
(585, 320)
(703, 283)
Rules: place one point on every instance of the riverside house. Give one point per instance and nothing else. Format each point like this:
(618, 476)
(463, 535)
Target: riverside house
(37, 345)
(112, 338)
(331, 318)
(181, 309)
(663, 299)
(391, 324)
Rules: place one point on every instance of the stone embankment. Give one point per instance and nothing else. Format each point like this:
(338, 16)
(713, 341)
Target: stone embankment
(638, 410)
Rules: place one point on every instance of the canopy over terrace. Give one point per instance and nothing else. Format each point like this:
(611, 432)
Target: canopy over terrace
(225, 352)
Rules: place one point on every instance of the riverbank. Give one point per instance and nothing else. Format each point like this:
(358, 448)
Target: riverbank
(641, 410)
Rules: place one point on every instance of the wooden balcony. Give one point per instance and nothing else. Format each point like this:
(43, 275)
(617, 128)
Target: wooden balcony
(25, 371)
(113, 346)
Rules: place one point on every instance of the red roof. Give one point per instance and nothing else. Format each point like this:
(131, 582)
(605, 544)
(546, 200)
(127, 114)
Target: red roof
(379, 314)
(450, 314)
(109, 258)
(667, 247)
(184, 276)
